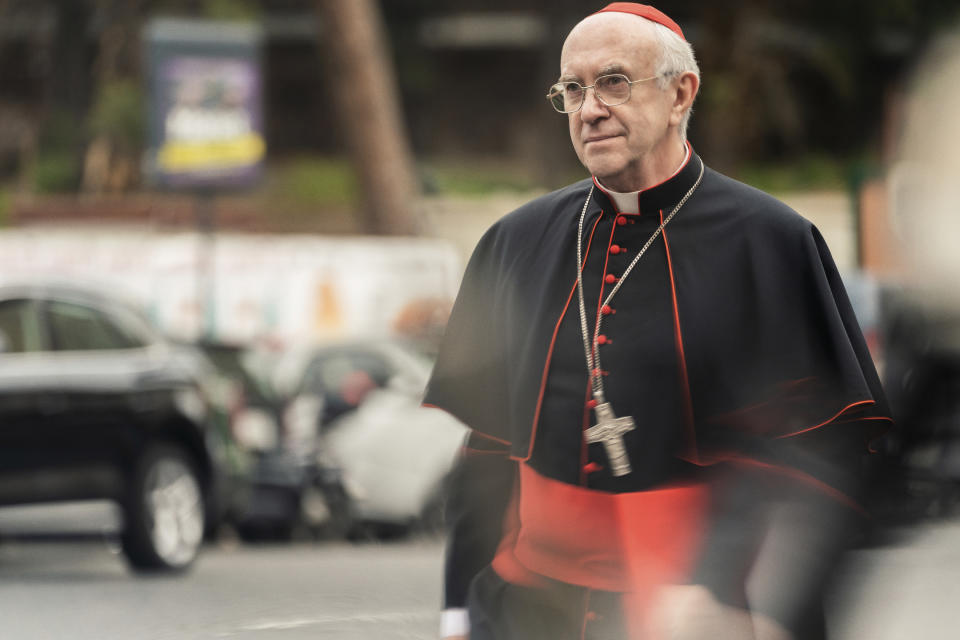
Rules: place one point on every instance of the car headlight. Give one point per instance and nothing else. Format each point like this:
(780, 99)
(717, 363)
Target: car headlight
(190, 403)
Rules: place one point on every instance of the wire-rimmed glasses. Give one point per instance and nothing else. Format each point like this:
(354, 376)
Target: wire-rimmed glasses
(612, 90)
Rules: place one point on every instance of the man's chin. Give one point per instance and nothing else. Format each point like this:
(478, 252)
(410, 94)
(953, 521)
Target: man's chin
(601, 167)
(607, 176)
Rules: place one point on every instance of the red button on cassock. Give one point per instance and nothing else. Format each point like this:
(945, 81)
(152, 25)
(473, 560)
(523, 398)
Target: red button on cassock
(591, 467)
(621, 220)
(606, 309)
(591, 616)
(591, 404)
(610, 278)
(615, 249)
(601, 339)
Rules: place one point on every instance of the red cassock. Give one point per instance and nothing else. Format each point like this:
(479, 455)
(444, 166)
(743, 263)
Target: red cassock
(733, 346)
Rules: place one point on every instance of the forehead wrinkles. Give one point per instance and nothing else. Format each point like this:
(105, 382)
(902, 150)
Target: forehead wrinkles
(608, 40)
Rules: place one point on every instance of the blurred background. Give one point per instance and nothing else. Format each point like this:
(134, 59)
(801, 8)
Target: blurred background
(231, 232)
(796, 97)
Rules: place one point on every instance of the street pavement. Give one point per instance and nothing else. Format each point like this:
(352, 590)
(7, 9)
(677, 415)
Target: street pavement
(908, 590)
(82, 590)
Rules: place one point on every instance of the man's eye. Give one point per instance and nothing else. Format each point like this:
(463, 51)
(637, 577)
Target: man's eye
(612, 82)
(572, 89)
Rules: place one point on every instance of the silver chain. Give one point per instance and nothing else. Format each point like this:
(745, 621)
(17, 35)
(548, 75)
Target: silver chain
(590, 348)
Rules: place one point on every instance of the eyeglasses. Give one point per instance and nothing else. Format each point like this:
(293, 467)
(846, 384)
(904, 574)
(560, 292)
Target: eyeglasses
(611, 90)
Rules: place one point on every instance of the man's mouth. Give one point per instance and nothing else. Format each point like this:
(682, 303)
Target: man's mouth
(599, 138)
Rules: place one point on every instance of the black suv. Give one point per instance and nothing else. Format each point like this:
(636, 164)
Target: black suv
(95, 404)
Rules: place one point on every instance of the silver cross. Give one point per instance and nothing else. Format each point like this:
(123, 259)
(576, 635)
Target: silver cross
(609, 430)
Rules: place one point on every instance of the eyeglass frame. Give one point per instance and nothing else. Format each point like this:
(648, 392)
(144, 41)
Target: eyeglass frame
(630, 84)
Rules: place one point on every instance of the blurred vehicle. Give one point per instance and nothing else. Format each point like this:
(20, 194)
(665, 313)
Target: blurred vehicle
(291, 487)
(362, 400)
(95, 404)
(920, 477)
(914, 339)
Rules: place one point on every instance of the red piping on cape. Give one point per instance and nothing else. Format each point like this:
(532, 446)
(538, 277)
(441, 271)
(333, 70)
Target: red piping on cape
(785, 385)
(865, 403)
(479, 433)
(834, 419)
(481, 452)
(853, 419)
(684, 378)
(883, 418)
(553, 341)
(805, 478)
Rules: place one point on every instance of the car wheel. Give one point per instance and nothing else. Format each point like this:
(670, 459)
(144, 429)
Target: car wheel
(326, 512)
(265, 531)
(164, 511)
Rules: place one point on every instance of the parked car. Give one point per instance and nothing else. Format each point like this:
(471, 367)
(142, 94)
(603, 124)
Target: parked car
(95, 404)
(293, 488)
(362, 401)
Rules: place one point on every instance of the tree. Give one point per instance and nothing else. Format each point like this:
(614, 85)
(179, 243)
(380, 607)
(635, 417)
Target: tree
(115, 119)
(366, 98)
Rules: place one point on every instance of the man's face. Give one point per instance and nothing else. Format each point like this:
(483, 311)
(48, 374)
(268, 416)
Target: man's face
(623, 145)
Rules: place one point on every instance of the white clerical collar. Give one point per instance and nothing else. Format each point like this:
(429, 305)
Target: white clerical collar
(630, 202)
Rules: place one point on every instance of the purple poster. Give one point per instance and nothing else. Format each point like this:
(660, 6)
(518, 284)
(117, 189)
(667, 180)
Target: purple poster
(206, 116)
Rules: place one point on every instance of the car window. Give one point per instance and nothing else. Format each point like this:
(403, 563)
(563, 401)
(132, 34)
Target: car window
(76, 327)
(344, 378)
(232, 362)
(134, 326)
(329, 373)
(19, 327)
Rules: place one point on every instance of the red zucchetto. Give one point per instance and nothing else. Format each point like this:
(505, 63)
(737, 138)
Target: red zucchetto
(645, 11)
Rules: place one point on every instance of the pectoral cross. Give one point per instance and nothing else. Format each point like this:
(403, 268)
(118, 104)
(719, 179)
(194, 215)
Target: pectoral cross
(609, 431)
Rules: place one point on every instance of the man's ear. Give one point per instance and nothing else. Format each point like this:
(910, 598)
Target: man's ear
(686, 87)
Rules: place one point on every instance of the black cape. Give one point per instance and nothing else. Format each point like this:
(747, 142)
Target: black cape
(770, 342)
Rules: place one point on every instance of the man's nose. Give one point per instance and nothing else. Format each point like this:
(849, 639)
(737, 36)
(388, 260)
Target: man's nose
(593, 109)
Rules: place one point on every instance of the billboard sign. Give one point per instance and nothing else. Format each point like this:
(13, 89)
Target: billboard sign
(205, 104)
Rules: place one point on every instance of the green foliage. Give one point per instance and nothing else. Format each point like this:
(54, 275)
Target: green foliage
(4, 206)
(118, 114)
(310, 180)
(60, 131)
(211, 9)
(231, 10)
(474, 179)
(321, 181)
(56, 167)
(810, 172)
(55, 171)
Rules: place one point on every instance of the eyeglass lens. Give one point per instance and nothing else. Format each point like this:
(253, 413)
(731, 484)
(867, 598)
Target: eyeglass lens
(612, 91)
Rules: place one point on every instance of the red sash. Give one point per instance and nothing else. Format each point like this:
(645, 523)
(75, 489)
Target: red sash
(623, 542)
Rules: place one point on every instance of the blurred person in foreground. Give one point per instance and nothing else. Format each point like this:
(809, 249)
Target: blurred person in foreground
(666, 387)
(921, 306)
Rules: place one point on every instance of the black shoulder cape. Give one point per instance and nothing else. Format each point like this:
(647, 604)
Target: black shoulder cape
(770, 342)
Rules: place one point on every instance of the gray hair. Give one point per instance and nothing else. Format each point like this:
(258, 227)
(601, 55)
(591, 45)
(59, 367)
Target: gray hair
(676, 57)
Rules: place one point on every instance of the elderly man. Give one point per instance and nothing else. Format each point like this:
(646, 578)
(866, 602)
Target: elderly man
(666, 387)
